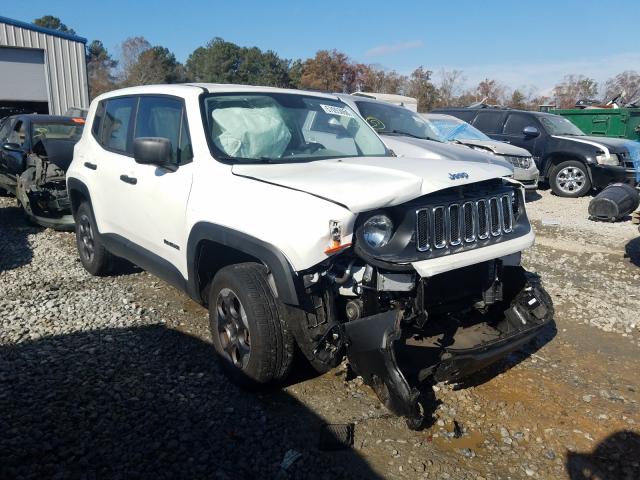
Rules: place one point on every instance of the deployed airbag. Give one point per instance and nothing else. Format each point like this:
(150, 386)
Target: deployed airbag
(250, 132)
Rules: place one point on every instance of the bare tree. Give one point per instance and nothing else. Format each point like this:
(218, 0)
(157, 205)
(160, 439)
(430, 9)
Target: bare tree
(627, 83)
(573, 88)
(130, 51)
(450, 86)
(492, 90)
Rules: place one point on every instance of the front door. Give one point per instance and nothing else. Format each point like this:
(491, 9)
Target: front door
(160, 195)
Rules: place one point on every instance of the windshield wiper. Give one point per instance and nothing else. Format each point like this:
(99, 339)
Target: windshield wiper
(400, 132)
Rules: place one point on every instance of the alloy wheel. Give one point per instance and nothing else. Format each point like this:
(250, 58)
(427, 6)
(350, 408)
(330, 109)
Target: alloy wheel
(87, 244)
(570, 179)
(233, 328)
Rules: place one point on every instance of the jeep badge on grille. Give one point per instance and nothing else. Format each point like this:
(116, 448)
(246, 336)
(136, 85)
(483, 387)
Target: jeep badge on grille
(458, 176)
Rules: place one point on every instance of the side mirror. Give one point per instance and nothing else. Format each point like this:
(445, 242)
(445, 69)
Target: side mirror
(12, 147)
(153, 151)
(531, 132)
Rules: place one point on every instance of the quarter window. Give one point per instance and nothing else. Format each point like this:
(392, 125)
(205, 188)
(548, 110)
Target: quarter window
(117, 121)
(97, 120)
(516, 123)
(164, 117)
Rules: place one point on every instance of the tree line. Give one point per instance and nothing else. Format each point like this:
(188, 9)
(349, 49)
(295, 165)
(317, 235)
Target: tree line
(219, 61)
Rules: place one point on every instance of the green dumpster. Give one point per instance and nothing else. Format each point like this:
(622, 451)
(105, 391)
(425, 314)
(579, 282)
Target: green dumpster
(605, 122)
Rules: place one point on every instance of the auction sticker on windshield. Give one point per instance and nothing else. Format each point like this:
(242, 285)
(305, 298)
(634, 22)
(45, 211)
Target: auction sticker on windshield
(336, 110)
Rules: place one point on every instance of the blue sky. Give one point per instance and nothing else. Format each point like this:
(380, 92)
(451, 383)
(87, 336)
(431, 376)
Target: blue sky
(523, 44)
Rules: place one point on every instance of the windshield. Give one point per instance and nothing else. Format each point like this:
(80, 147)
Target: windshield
(57, 130)
(283, 127)
(389, 119)
(454, 129)
(556, 125)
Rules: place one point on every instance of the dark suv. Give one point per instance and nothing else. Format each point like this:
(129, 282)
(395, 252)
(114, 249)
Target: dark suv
(570, 161)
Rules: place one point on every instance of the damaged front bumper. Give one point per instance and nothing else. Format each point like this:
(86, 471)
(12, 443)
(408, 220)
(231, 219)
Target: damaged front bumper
(396, 358)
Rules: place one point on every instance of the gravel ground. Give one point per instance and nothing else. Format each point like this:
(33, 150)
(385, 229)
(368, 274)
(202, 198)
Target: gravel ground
(114, 377)
(572, 215)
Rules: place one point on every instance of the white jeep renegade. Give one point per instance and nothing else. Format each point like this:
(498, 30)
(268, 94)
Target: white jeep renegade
(285, 214)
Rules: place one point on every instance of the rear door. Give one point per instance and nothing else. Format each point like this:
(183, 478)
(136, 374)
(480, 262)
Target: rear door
(513, 131)
(111, 161)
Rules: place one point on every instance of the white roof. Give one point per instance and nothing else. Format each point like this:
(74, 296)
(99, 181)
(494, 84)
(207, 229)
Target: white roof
(184, 89)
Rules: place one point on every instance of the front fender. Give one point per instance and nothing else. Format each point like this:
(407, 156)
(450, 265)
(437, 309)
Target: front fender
(285, 277)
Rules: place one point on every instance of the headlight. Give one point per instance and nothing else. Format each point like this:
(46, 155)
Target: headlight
(377, 231)
(520, 162)
(611, 159)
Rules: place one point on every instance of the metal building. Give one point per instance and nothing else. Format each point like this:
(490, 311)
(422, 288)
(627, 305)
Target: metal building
(41, 70)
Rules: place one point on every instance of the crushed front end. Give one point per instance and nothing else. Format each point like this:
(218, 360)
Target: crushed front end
(41, 189)
(431, 291)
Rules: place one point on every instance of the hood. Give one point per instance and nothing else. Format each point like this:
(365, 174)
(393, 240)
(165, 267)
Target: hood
(606, 144)
(365, 183)
(501, 148)
(417, 148)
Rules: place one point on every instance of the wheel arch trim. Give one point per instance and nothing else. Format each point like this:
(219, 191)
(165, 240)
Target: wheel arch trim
(284, 276)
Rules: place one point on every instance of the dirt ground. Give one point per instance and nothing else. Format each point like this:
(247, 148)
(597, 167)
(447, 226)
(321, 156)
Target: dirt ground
(566, 407)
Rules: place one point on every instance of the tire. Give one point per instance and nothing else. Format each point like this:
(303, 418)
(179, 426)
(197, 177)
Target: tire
(570, 179)
(248, 326)
(95, 258)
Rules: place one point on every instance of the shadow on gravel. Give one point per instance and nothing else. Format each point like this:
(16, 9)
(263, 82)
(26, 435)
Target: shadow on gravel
(14, 246)
(632, 251)
(483, 376)
(148, 402)
(615, 458)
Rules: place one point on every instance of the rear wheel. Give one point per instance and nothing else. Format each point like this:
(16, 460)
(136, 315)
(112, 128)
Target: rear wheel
(570, 179)
(248, 328)
(93, 255)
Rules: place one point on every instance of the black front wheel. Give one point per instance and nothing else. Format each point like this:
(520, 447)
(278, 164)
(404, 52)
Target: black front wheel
(570, 179)
(248, 328)
(95, 258)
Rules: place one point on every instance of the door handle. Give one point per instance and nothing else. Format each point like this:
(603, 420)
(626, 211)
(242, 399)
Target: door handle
(91, 166)
(129, 180)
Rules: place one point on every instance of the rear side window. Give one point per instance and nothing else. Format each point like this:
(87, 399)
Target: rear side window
(164, 117)
(117, 120)
(488, 122)
(516, 123)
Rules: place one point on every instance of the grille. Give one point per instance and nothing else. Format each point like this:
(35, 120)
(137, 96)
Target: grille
(456, 224)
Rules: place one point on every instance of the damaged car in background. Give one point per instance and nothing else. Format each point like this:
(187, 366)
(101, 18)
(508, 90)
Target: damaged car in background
(35, 152)
(294, 224)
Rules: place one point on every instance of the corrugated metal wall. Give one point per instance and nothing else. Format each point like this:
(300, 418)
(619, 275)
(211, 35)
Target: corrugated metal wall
(65, 65)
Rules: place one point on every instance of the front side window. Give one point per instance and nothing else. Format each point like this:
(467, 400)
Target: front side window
(117, 121)
(282, 127)
(18, 133)
(164, 117)
(557, 125)
(388, 119)
(516, 123)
